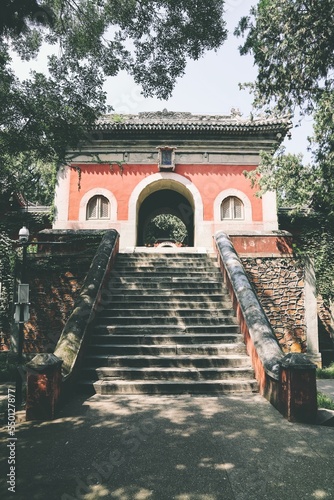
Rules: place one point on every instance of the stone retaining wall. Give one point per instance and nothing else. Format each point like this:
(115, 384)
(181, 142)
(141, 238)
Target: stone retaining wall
(55, 284)
(279, 283)
(52, 298)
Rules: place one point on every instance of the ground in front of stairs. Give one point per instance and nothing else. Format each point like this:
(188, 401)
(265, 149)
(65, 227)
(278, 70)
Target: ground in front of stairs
(171, 447)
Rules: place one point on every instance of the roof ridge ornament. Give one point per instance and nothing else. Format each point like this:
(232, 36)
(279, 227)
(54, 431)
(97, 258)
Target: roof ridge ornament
(175, 115)
(236, 113)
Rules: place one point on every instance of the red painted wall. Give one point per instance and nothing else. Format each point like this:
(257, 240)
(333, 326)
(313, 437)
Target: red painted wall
(262, 245)
(210, 180)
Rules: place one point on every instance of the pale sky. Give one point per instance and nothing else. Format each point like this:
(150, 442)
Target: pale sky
(209, 86)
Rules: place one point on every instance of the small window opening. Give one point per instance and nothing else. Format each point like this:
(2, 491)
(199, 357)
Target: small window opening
(98, 208)
(232, 209)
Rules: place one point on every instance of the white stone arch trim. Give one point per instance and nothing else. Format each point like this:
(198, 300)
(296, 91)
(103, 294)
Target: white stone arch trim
(248, 214)
(98, 192)
(62, 196)
(269, 209)
(168, 176)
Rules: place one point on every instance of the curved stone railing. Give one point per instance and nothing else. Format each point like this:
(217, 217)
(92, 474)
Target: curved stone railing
(50, 376)
(72, 339)
(247, 303)
(287, 381)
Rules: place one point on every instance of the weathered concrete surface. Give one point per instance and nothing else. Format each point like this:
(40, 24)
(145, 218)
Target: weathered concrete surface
(259, 328)
(171, 447)
(68, 348)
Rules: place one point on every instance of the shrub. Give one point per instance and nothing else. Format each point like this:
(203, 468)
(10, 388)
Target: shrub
(166, 227)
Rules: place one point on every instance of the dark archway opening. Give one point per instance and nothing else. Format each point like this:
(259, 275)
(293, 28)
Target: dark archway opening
(165, 201)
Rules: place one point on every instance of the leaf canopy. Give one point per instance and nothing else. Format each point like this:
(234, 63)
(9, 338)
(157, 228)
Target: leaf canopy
(292, 42)
(46, 114)
(293, 46)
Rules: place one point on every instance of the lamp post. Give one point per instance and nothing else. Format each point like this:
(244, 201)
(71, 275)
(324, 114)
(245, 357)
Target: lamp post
(21, 313)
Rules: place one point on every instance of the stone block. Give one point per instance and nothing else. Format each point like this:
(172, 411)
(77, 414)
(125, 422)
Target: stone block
(43, 386)
(298, 390)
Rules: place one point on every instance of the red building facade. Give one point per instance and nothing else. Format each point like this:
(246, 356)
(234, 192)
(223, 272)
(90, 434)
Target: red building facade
(134, 167)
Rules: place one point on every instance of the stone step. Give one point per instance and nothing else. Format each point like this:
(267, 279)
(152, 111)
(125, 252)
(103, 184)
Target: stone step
(155, 373)
(168, 294)
(164, 266)
(165, 329)
(167, 350)
(167, 264)
(155, 281)
(141, 312)
(181, 277)
(161, 321)
(169, 329)
(174, 285)
(167, 303)
(172, 267)
(229, 360)
(169, 297)
(184, 276)
(164, 256)
(210, 338)
(229, 386)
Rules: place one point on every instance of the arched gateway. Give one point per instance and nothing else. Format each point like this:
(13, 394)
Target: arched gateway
(188, 167)
(165, 215)
(166, 193)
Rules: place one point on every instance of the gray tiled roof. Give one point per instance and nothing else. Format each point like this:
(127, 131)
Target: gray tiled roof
(169, 120)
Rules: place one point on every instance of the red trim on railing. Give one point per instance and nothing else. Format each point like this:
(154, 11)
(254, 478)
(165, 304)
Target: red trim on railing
(258, 368)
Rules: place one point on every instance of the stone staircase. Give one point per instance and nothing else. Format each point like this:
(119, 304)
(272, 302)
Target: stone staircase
(169, 329)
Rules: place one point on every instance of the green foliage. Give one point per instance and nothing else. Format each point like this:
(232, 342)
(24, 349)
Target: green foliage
(167, 227)
(314, 238)
(327, 372)
(293, 47)
(294, 182)
(36, 221)
(323, 153)
(34, 179)
(7, 371)
(324, 401)
(94, 39)
(45, 115)
(59, 262)
(7, 265)
(304, 186)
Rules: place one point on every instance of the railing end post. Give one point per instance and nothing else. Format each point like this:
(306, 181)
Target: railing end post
(298, 388)
(43, 387)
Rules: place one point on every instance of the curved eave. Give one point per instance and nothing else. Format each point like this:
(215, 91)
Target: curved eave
(191, 128)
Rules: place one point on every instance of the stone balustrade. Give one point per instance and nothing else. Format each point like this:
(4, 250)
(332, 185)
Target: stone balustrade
(287, 381)
(70, 347)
